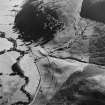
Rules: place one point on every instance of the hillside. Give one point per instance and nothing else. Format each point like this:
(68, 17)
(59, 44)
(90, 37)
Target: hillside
(52, 52)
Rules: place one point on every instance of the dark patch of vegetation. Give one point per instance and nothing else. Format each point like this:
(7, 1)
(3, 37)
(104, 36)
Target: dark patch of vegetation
(17, 70)
(93, 11)
(37, 23)
(2, 34)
